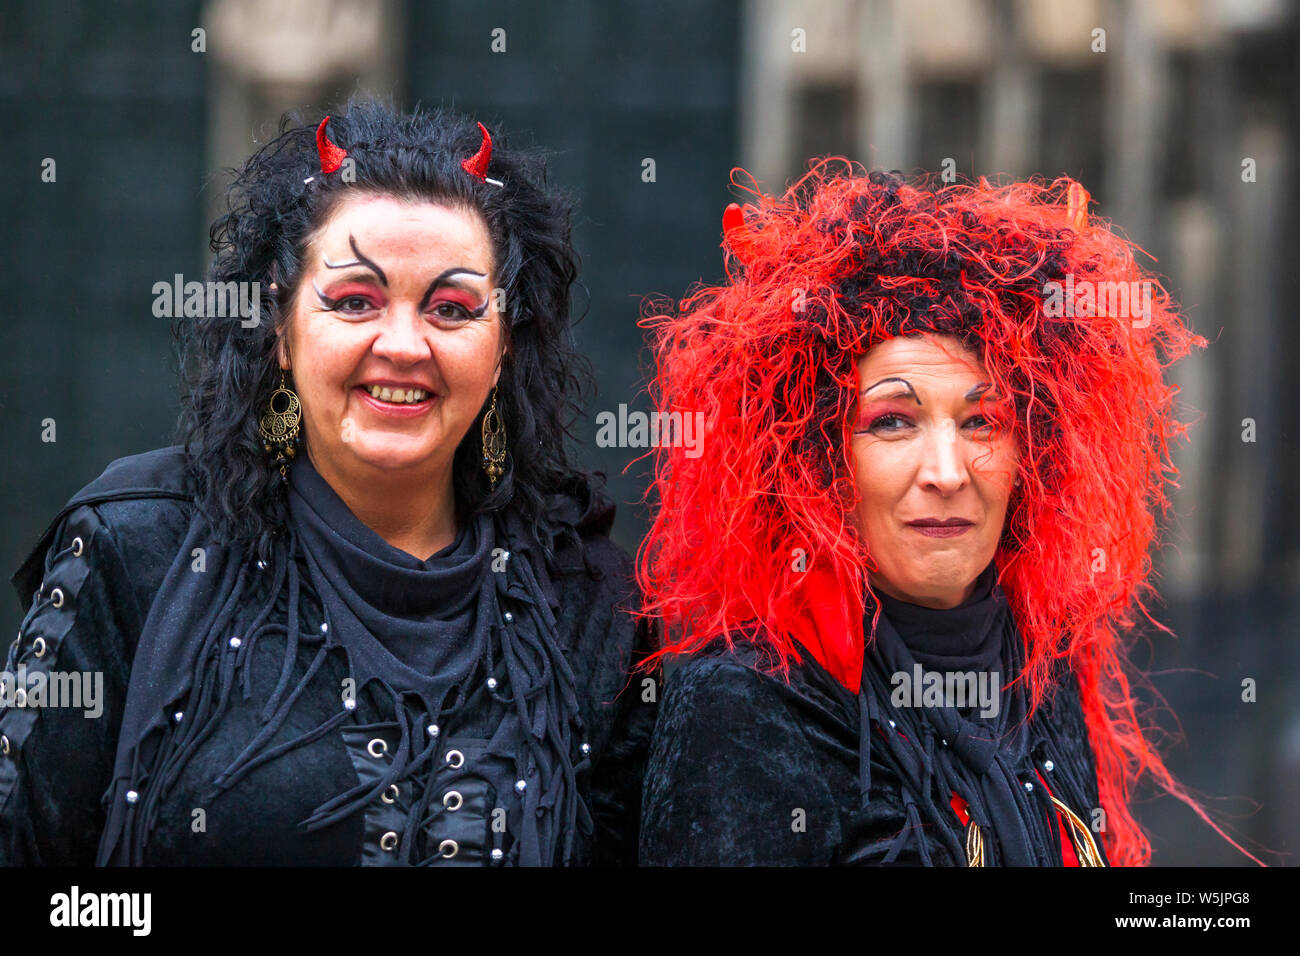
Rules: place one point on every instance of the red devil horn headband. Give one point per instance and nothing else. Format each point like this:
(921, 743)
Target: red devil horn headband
(1077, 200)
(736, 234)
(477, 164)
(331, 155)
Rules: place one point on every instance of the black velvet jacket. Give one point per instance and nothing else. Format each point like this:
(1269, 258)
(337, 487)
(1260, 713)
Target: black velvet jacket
(95, 575)
(749, 770)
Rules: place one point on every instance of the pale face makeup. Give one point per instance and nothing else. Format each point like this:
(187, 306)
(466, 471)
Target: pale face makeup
(394, 342)
(922, 449)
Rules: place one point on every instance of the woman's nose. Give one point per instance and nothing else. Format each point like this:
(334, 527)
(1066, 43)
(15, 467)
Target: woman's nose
(943, 466)
(403, 336)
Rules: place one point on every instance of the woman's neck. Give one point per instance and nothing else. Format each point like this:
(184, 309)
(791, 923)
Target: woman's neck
(415, 515)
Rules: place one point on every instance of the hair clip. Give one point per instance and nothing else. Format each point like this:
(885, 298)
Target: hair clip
(477, 164)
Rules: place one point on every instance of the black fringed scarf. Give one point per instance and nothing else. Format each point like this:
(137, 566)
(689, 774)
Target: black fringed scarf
(938, 750)
(433, 637)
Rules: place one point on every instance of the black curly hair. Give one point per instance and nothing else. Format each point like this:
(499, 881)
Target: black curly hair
(228, 371)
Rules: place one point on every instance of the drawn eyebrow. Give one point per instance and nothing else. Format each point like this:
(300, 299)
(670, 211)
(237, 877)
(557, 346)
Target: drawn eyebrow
(903, 392)
(360, 260)
(907, 390)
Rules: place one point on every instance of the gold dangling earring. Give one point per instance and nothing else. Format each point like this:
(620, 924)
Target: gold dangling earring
(494, 442)
(279, 426)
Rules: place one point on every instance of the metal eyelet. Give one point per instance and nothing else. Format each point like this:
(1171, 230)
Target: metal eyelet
(4, 744)
(77, 546)
(388, 842)
(391, 794)
(20, 697)
(455, 759)
(56, 597)
(448, 848)
(377, 747)
(38, 647)
(452, 800)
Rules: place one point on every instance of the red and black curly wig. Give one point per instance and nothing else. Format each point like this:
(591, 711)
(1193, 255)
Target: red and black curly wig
(842, 261)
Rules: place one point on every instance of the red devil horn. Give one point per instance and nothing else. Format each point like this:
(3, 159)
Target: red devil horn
(736, 234)
(477, 164)
(1077, 200)
(331, 156)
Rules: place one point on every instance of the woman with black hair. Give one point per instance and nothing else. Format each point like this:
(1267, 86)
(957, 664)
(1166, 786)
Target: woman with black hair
(369, 612)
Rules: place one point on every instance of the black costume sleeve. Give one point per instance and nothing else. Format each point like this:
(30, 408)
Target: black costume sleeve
(732, 779)
(57, 761)
(618, 776)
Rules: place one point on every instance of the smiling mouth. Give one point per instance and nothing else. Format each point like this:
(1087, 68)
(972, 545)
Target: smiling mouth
(397, 396)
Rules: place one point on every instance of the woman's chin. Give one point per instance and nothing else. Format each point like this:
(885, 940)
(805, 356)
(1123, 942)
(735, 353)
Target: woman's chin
(388, 455)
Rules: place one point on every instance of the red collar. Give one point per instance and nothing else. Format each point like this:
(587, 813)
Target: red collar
(825, 616)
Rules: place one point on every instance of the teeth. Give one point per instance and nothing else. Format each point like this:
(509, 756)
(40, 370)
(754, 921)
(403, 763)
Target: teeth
(397, 395)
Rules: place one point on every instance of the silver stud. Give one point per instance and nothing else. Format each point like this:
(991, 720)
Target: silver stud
(1049, 766)
(324, 628)
(586, 749)
(178, 716)
(945, 743)
(261, 564)
(235, 642)
(492, 683)
(1029, 786)
(497, 855)
(508, 616)
(433, 730)
(349, 704)
(892, 724)
(521, 785)
(132, 796)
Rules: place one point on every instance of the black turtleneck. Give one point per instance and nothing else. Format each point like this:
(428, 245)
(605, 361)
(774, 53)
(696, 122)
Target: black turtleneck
(967, 637)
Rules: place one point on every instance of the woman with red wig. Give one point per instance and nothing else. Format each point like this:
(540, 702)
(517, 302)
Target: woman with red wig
(900, 562)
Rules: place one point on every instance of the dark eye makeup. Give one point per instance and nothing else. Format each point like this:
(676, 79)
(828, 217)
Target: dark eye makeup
(876, 426)
(444, 308)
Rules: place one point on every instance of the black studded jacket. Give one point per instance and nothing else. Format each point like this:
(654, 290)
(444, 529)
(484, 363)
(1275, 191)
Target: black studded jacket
(93, 583)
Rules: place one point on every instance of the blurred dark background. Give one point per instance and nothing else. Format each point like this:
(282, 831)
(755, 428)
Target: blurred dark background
(1181, 118)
